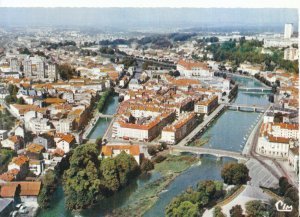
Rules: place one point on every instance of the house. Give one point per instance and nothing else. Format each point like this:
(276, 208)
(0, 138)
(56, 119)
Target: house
(45, 140)
(64, 141)
(35, 151)
(13, 142)
(206, 106)
(115, 150)
(20, 163)
(191, 68)
(26, 191)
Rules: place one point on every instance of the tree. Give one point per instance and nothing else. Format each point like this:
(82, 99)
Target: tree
(147, 165)
(235, 173)
(186, 209)
(127, 167)
(152, 150)
(283, 185)
(49, 184)
(256, 208)
(82, 185)
(66, 71)
(236, 211)
(218, 212)
(110, 174)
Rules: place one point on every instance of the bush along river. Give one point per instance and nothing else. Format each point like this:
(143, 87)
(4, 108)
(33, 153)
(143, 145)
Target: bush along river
(148, 195)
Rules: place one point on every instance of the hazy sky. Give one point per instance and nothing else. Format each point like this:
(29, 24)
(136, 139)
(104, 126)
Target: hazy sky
(125, 18)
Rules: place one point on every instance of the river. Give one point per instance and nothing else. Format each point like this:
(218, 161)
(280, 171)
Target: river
(228, 132)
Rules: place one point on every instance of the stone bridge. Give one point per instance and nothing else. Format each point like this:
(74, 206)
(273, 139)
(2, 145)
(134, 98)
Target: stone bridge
(209, 151)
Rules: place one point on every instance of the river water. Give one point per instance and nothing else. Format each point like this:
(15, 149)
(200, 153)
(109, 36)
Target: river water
(228, 132)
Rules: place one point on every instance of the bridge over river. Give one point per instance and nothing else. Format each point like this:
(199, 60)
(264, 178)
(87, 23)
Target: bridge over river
(209, 151)
(255, 89)
(255, 108)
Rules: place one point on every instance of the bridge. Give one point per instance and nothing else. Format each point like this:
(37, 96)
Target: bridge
(255, 89)
(209, 151)
(255, 108)
(101, 115)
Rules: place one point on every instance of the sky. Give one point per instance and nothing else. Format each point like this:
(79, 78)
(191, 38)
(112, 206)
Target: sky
(136, 18)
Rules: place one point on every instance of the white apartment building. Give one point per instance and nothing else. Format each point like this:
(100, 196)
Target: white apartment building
(288, 30)
(190, 68)
(176, 131)
(291, 54)
(285, 130)
(276, 147)
(14, 65)
(37, 68)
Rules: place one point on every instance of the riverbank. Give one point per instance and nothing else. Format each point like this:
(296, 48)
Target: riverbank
(145, 198)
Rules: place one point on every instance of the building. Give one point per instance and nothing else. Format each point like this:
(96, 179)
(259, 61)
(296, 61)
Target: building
(14, 65)
(64, 141)
(20, 163)
(175, 132)
(285, 130)
(288, 30)
(293, 158)
(276, 147)
(27, 191)
(190, 68)
(291, 54)
(38, 68)
(115, 150)
(206, 106)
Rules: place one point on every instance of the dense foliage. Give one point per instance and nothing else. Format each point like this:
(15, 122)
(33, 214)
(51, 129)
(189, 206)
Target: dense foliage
(236, 211)
(240, 51)
(256, 208)
(5, 157)
(218, 212)
(66, 71)
(12, 97)
(103, 99)
(49, 184)
(235, 174)
(192, 202)
(89, 179)
(6, 120)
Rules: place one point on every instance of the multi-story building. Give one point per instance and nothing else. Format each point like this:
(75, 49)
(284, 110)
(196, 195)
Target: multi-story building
(14, 65)
(288, 30)
(206, 106)
(285, 130)
(277, 147)
(38, 68)
(190, 68)
(178, 130)
(291, 54)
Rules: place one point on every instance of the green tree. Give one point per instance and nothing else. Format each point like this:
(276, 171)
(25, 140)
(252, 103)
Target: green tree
(256, 208)
(218, 212)
(49, 184)
(147, 165)
(127, 167)
(82, 184)
(235, 173)
(236, 211)
(66, 71)
(185, 209)
(110, 174)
